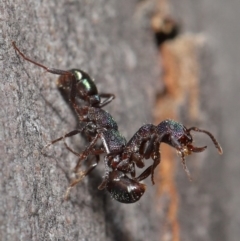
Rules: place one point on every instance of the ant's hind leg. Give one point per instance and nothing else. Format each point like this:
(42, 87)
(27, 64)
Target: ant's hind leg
(150, 170)
(81, 175)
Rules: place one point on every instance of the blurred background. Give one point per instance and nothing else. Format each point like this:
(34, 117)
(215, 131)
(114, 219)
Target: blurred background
(208, 207)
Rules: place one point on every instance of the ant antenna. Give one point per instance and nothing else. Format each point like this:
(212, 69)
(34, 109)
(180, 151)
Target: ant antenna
(217, 145)
(50, 70)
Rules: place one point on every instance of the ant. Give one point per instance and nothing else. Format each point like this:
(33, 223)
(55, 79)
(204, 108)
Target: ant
(121, 157)
(146, 143)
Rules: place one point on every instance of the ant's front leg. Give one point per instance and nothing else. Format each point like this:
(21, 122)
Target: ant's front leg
(81, 175)
(151, 149)
(109, 98)
(150, 170)
(156, 156)
(89, 150)
(70, 134)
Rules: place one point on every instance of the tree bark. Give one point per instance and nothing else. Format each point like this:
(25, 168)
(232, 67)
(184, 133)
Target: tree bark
(110, 41)
(102, 38)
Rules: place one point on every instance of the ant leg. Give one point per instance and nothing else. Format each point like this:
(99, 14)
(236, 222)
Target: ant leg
(145, 174)
(71, 133)
(137, 159)
(82, 157)
(151, 149)
(87, 151)
(150, 170)
(50, 70)
(185, 167)
(81, 176)
(106, 175)
(127, 165)
(149, 146)
(94, 152)
(69, 148)
(109, 98)
(156, 156)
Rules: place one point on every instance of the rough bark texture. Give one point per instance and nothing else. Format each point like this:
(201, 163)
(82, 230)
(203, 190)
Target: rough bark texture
(108, 40)
(102, 38)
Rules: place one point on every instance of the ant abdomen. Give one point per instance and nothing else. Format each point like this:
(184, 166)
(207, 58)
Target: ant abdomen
(123, 189)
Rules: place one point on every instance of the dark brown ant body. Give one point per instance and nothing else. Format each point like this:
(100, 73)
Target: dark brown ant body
(146, 143)
(121, 157)
(99, 124)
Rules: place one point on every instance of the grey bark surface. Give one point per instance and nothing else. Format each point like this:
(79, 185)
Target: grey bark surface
(101, 38)
(104, 39)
